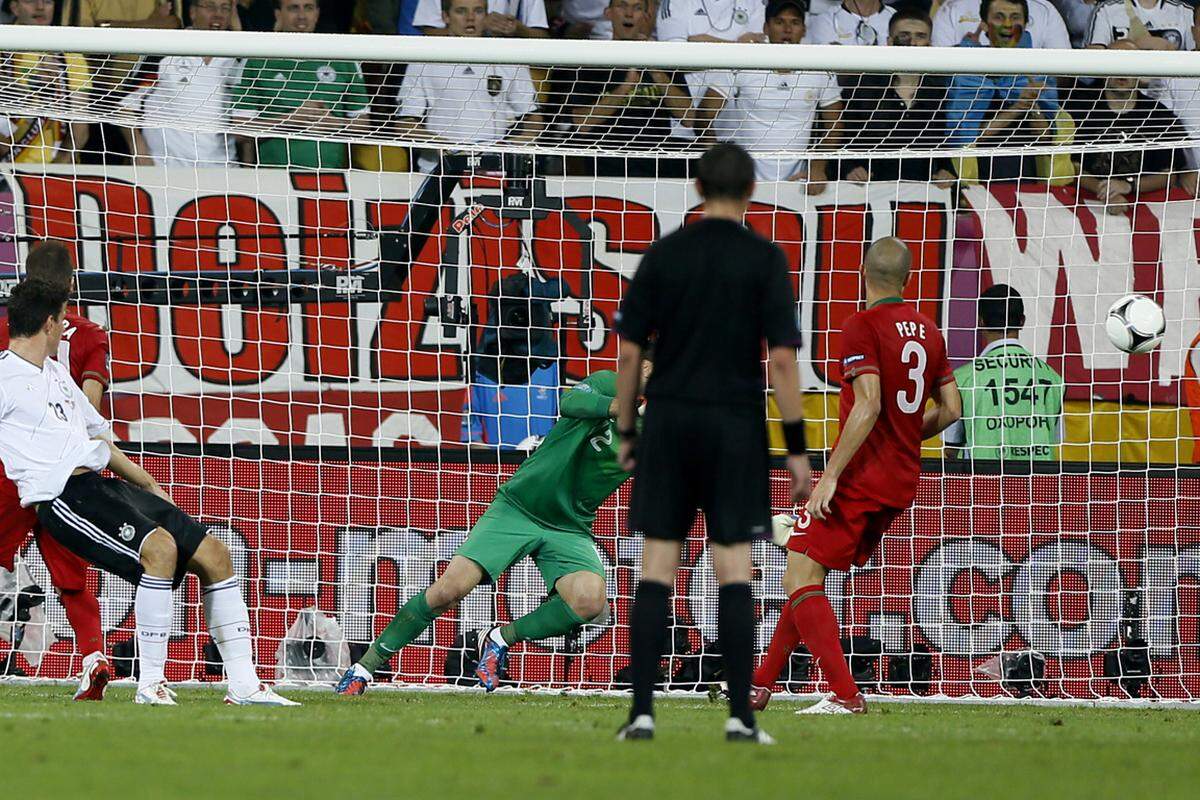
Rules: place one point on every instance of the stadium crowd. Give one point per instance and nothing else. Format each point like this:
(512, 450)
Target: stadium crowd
(652, 110)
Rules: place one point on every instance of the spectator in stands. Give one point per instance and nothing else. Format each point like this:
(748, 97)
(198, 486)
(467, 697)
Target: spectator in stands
(626, 107)
(709, 21)
(957, 19)
(999, 110)
(255, 15)
(61, 78)
(520, 19)
(1077, 14)
(382, 79)
(863, 22)
(1181, 96)
(326, 97)
(182, 96)
(778, 110)
(586, 19)
(900, 110)
(1149, 24)
(1125, 114)
(384, 17)
(456, 103)
(1012, 400)
(121, 14)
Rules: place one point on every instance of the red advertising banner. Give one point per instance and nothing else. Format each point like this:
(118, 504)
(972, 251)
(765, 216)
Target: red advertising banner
(363, 373)
(1058, 564)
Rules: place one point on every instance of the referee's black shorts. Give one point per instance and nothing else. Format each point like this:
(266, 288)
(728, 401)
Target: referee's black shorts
(711, 458)
(105, 521)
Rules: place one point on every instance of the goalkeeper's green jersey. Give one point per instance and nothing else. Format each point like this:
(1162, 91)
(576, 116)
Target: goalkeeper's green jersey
(1012, 405)
(574, 470)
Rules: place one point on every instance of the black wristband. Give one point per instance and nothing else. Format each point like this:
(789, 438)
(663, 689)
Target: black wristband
(628, 433)
(793, 437)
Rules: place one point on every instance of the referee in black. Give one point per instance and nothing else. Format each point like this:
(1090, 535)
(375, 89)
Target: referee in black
(707, 295)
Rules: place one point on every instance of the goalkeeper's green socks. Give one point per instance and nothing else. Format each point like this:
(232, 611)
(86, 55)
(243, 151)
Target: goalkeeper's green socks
(410, 622)
(552, 618)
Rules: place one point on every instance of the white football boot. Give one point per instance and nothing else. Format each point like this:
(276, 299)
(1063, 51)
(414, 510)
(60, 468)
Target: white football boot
(263, 696)
(157, 694)
(832, 705)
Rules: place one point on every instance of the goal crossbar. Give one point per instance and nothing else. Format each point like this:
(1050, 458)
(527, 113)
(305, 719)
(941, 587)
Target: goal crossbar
(587, 53)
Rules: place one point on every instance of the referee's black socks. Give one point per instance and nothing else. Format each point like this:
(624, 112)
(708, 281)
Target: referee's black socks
(735, 629)
(647, 632)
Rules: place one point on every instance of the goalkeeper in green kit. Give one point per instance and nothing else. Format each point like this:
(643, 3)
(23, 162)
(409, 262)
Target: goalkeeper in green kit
(544, 511)
(1012, 400)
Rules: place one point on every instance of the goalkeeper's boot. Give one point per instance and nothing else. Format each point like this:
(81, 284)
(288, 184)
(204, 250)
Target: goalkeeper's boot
(759, 697)
(354, 682)
(95, 678)
(492, 657)
(156, 694)
(264, 695)
(835, 705)
(736, 731)
(641, 727)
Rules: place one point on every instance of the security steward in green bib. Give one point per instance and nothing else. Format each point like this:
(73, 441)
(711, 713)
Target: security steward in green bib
(1012, 400)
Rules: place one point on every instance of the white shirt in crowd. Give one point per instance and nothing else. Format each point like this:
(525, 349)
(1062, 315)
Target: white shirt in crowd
(1182, 97)
(591, 12)
(531, 13)
(817, 7)
(476, 103)
(841, 26)
(186, 96)
(722, 19)
(1169, 20)
(776, 111)
(47, 428)
(957, 19)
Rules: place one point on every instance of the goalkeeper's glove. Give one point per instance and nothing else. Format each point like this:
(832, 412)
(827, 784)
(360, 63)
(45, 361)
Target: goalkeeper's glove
(782, 528)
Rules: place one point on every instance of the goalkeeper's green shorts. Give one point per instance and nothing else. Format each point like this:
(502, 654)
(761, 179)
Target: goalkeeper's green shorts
(505, 534)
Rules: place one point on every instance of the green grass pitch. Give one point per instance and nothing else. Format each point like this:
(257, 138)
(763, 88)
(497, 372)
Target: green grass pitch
(444, 746)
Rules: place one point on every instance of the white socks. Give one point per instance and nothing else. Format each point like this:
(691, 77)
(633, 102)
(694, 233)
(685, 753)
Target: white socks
(152, 613)
(229, 625)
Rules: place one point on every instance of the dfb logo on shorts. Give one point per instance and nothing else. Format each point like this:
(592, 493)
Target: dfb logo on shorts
(126, 532)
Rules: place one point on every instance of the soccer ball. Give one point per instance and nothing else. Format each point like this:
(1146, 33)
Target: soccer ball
(1135, 324)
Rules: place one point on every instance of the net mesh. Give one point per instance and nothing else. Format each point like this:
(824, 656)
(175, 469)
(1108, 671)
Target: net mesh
(343, 299)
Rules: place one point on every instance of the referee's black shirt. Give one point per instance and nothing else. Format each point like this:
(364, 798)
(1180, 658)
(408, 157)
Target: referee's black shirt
(710, 293)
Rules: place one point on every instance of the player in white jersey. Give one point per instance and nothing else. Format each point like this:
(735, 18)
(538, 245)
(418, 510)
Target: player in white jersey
(854, 22)
(957, 19)
(53, 448)
(1151, 24)
(767, 110)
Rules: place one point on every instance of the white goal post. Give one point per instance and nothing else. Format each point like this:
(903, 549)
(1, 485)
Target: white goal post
(314, 351)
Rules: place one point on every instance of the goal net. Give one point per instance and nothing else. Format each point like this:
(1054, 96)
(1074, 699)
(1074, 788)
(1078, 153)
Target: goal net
(346, 280)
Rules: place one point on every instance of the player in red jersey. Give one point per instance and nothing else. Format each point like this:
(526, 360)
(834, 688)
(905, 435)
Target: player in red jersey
(893, 363)
(84, 349)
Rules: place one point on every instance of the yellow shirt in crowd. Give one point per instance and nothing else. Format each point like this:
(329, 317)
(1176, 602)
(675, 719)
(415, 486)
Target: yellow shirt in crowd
(59, 79)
